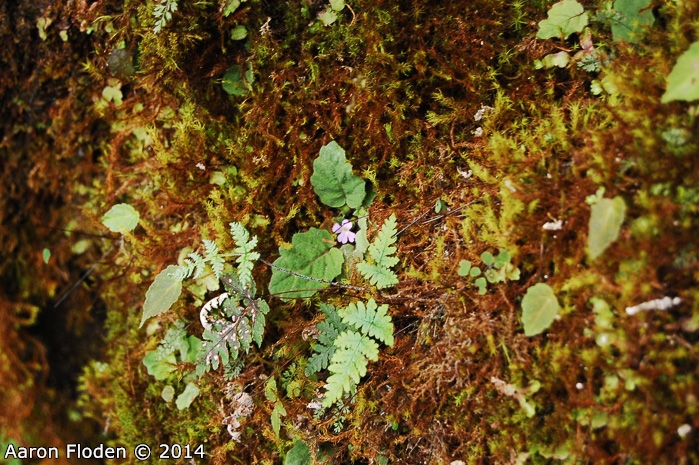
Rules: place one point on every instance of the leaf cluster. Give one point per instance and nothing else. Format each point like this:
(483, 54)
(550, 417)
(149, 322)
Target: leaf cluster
(497, 269)
(167, 286)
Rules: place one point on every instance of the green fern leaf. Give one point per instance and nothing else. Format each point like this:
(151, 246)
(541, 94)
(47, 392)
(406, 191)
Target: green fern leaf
(258, 321)
(244, 249)
(328, 330)
(196, 266)
(214, 258)
(381, 250)
(377, 275)
(348, 364)
(370, 319)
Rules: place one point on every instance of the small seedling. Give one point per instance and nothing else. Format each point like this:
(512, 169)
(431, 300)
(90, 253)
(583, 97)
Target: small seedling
(497, 269)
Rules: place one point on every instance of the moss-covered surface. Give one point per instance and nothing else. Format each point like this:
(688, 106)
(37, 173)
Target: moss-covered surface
(398, 85)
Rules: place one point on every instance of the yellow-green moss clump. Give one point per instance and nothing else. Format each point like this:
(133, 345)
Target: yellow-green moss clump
(215, 114)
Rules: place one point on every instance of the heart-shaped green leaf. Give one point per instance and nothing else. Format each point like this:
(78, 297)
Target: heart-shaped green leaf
(121, 218)
(540, 307)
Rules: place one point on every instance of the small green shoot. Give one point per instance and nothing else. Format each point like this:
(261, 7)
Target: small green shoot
(497, 269)
(278, 411)
(605, 224)
(539, 309)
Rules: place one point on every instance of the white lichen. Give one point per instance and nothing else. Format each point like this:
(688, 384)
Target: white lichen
(657, 304)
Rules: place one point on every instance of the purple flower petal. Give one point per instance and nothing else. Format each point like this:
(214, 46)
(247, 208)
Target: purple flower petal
(344, 232)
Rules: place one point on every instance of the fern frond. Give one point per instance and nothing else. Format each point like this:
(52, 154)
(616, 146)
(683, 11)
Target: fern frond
(214, 258)
(194, 265)
(370, 319)
(381, 250)
(240, 321)
(324, 349)
(348, 364)
(163, 13)
(377, 275)
(244, 249)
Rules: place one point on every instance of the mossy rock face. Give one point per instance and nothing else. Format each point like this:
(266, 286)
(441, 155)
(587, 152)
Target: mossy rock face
(439, 103)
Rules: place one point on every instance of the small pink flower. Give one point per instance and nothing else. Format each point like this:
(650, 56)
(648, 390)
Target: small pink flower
(344, 232)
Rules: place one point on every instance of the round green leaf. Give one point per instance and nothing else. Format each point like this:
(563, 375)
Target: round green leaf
(564, 18)
(464, 267)
(633, 16)
(168, 393)
(239, 32)
(46, 254)
(540, 307)
(158, 366)
(121, 218)
(337, 5)
(235, 82)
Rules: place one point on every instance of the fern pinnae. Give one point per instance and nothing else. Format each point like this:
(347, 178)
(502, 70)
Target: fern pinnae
(214, 258)
(348, 364)
(381, 251)
(244, 249)
(370, 319)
